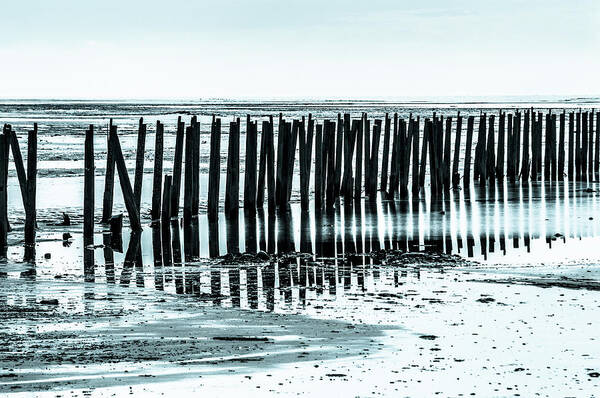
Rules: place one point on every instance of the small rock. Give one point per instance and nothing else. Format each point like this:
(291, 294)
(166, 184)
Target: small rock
(67, 236)
(262, 256)
(49, 302)
(486, 300)
(594, 374)
(428, 337)
(47, 256)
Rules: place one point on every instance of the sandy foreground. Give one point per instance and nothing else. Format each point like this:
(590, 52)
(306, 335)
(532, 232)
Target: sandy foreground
(446, 331)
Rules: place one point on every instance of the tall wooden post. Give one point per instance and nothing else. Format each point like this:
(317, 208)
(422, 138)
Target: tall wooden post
(158, 169)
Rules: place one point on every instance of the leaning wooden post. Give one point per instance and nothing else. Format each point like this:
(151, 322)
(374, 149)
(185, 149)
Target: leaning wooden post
(467, 167)
(232, 187)
(158, 169)
(386, 150)
(139, 164)
(177, 167)
(250, 167)
(214, 172)
(18, 161)
(31, 211)
(88, 188)
(456, 158)
(134, 216)
(109, 179)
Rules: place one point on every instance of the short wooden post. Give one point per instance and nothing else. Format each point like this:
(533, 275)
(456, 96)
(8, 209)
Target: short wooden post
(250, 167)
(158, 169)
(166, 204)
(233, 169)
(139, 164)
(214, 173)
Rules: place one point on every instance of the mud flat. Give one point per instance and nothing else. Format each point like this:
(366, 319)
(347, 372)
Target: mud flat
(408, 330)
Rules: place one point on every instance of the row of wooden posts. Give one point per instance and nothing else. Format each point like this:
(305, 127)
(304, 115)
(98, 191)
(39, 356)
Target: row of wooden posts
(345, 151)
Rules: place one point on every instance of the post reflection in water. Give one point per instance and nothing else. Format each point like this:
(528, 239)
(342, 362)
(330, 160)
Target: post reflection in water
(326, 253)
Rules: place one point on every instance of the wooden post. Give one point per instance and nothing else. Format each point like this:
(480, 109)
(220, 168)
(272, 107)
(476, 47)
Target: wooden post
(500, 154)
(482, 150)
(282, 160)
(109, 179)
(467, 167)
(232, 186)
(195, 165)
(571, 158)
(166, 205)
(88, 188)
(535, 143)
(188, 177)
(319, 168)
(561, 147)
(553, 148)
(584, 145)
(456, 158)
(491, 158)
(597, 146)
(525, 162)
(591, 146)
(139, 164)
(292, 133)
(447, 149)
(431, 133)
(386, 150)
(330, 156)
(3, 194)
(547, 146)
(271, 169)
(424, 156)
(260, 192)
(350, 136)
(517, 143)
(415, 162)
(339, 146)
(134, 216)
(402, 158)
(305, 161)
(214, 173)
(18, 160)
(177, 167)
(367, 150)
(31, 211)
(578, 147)
(158, 169)
(393, 170)
(359, 162)
(373, 168)
(250, 167)
(510, 150)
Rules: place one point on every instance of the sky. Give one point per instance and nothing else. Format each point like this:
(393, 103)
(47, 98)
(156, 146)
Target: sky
(183, 49)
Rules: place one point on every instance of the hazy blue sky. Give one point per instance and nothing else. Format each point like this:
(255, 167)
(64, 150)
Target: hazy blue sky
(289, 48)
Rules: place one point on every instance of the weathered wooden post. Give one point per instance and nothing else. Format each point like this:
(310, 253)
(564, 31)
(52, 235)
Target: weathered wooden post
(166, 205)
(31, 210)
(195, 165)
(386, 150)
(3, 194)
(232, 186)
(330, 156)
(139, 164)
(339, 146)
(525, 162)
(292, 133)
(373, 168)
(262, 166)
(109, 179)
(319, 168)
(491, 158)
(571, 158)
(250, 167)
(177, 168)
(415, 162)
(500, 152)
(561, 147)
(88, 188)
(447, 149)
(158, 169)
(456, 159)
(214, 173)
(359, 162)
(469, 143)
(272, 205)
